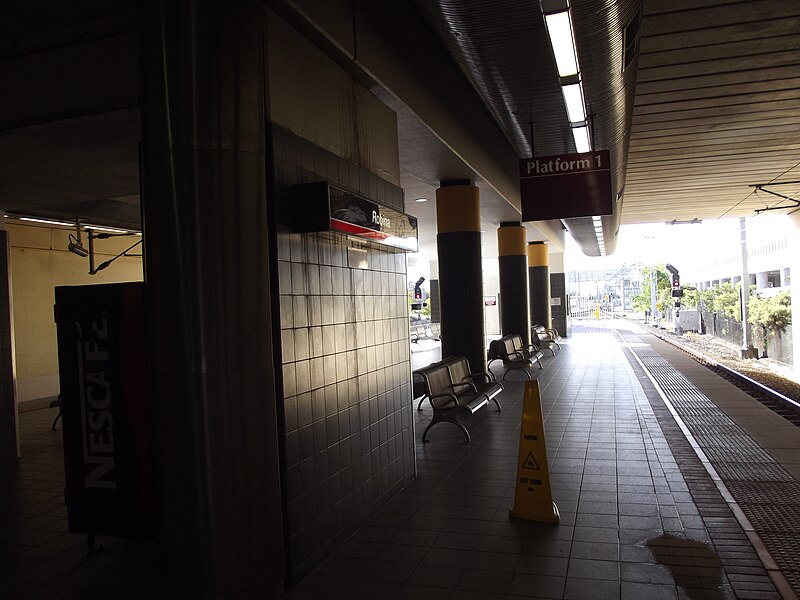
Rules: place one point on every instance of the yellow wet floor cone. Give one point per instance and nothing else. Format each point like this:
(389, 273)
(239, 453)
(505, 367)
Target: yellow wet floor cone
(533, 498)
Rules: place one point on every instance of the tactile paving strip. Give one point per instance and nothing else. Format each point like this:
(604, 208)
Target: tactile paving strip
(784, 519)
(747, 492)
(748, 471)
(716, 453)
(767, 494)
(784, 549)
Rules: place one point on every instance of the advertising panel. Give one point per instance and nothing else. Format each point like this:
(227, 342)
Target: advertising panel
(101, 356)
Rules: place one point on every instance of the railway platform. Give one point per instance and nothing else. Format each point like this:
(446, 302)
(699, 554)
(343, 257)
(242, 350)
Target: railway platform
(671, 483)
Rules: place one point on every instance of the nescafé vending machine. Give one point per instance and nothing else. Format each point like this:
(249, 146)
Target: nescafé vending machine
(101, 356)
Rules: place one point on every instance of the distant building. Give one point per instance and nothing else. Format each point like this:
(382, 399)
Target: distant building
(768, 259)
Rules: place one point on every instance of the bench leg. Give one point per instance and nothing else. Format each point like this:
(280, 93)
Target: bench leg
(527, 373)
(56, 404)
(454, 421)
(539, 363)
(421, 400)
(499, 408)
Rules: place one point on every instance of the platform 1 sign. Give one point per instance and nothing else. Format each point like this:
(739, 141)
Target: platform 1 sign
(566, 186)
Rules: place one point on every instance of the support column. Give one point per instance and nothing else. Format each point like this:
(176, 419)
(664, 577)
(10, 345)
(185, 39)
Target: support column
(9, 428)
(436, 309)
(558, 293)
(762, 278)
(785, 277)
(208, 307)
(461, 272)
(539, 283)
(513, 274)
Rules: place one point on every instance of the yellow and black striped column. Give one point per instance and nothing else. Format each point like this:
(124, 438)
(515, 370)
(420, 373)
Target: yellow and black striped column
(460, 272)
(539, 283)
(513, 271)
(558, 293)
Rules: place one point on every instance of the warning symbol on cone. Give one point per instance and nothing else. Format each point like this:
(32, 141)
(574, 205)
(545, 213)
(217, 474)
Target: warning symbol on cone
(530, 462)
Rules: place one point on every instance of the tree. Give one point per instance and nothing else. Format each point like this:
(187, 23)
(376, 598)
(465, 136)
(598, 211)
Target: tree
(691, 297)
(769, 316)
(722, 299)
(641, 301)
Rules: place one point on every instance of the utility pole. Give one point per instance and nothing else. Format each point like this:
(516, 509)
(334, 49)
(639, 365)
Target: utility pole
(653, 298)
(745, 289)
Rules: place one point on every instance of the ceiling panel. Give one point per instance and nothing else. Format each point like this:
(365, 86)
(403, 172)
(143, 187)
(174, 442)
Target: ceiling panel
(717, 109)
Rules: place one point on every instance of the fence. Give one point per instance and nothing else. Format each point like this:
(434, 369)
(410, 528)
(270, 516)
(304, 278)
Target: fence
(778, 345)
(586, 307)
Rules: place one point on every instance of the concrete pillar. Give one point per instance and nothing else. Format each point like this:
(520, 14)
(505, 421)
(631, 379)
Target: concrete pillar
(208, 299)
(752, 278)
(436, 309)
(785, 277)
(461, 271)
(558, 292)
(539, 283)
(762, 278)
(513, 274)
(9, 428)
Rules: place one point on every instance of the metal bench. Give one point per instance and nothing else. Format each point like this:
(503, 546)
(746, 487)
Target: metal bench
(547, 337)
(532, 352)
(451, 388)
(513, 359)
(424, 331)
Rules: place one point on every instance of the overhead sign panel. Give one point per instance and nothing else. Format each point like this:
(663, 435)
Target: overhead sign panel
(566, 186)
(355, 215)
(320, 206)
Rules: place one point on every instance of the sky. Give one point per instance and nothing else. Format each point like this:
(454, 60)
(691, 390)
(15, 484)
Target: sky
(684, 246)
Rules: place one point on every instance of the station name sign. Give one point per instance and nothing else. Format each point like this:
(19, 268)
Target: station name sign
(355, 215)
(320, 206)
(566, 186)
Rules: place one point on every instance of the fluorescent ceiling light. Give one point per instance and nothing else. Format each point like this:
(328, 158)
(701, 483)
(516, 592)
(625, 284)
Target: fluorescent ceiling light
(108, 229)
(45, 221)
(573, 98)
(559, 28)
(581, 137)
(421, 200)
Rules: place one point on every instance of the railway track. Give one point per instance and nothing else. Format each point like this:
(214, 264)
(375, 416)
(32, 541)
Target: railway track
(786, 407)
